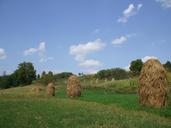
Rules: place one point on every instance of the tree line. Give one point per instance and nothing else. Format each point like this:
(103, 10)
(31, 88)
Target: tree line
(25, 74)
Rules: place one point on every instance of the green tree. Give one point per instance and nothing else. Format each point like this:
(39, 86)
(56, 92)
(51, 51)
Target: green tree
(46, 78)
(136, 66)
(38, 76)
(116, 73)
(25, 74)
(43, 74)
(167, 66)
(63, 75)
(5, 82)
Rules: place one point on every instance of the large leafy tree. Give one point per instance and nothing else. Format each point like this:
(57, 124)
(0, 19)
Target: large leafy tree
(136, 66)
(25, 73)
(167, 66)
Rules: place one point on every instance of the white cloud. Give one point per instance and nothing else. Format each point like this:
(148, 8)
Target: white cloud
(81, 50)
(144, 59)
(90, 63)
(91, 71)
(127, 68)
(2, 54)
(120, 40)
(41, 50)
(165, 3)
(130, 11)
(42, 46)
(30, 51)
(139, 6)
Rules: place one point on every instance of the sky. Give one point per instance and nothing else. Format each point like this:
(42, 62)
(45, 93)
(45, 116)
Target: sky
(83, 35)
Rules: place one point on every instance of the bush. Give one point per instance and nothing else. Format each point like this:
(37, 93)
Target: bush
(116, 73)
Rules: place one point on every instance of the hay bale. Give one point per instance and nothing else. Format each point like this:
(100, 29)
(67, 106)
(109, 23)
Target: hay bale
(50, 90)
(153, 88)
(36, 89)
(73, 86)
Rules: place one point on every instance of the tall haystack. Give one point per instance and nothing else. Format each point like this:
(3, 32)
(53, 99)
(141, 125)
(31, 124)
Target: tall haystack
(73, 86)
(153, 89)
(50, 90)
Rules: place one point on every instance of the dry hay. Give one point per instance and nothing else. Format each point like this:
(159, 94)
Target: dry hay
(73, 86)
(97, 81)
(36, 89)
(50, 90)
(153, 89)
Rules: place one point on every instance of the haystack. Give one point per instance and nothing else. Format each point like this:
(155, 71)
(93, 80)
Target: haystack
(153, 89)
(50, 90)
(73, 86)
(36, 89)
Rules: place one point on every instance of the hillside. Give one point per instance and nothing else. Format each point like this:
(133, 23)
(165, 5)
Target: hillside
(97, 107)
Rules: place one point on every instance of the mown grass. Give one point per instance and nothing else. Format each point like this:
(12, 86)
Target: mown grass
(100, 105)
(64, 113)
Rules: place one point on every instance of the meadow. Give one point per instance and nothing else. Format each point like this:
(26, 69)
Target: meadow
(111, 104)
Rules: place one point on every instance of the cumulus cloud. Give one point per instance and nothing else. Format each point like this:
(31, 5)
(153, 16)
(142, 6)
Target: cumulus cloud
(30, 51)
(41, 51)
(165, 3)
(120, 40)
(130, 11)
(90, 63)
(91, 71)
(81, 50)
(144, 59)
(2, 54)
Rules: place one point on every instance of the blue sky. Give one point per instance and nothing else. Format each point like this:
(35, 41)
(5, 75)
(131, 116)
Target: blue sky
(83, 35)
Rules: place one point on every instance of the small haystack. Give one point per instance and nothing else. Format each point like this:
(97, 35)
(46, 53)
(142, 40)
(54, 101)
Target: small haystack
(73, 86)
(36, 89)
(153, 89)
(50, 90)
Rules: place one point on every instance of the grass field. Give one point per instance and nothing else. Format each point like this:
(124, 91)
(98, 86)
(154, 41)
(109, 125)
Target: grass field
(101, 105)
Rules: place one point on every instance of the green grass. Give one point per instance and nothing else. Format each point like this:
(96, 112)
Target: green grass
(54, 112)
(100, 105)
(126, 101)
